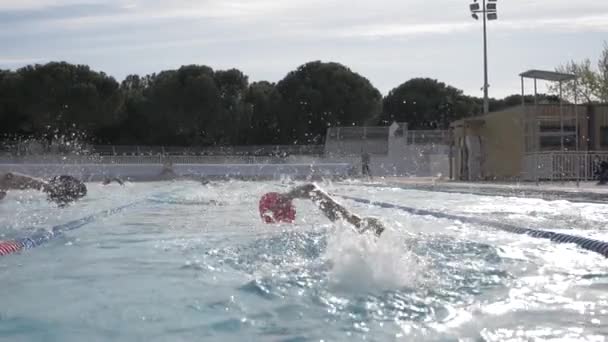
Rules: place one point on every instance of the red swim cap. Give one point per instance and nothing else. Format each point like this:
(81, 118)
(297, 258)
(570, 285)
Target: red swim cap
(275, 208)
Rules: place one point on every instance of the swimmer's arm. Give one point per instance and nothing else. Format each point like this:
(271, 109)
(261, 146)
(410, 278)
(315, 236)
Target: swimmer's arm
(108, 181)
(332, 209)
(335, 211)
(2, 195)
(15, 181)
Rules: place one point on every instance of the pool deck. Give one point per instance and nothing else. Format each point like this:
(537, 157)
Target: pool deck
(583, 192)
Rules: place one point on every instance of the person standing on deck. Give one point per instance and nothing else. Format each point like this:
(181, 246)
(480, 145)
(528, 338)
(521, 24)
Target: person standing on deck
(603, 174)
(365, 160)
(596, 166)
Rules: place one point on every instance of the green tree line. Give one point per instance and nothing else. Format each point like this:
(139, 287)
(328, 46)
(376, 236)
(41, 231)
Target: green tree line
(196, 105)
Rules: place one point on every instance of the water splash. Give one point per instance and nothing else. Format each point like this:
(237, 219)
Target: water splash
(364, 263)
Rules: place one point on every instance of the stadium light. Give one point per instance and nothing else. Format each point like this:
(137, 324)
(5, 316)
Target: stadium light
(489, 11)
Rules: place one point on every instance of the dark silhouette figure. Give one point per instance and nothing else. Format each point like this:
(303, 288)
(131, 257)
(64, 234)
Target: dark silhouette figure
(596, 167)
(365, 160)
(603, 173)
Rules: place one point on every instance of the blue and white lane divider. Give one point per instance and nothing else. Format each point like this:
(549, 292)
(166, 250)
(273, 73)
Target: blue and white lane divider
(597, 246)
(41, 237)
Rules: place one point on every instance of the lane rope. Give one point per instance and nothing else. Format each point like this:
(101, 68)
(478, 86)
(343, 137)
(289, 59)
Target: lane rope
(42, 236)
(593, 245)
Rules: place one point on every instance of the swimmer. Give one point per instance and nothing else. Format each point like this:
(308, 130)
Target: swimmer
(167, 171)
(61, 189)
(108, 181)
(334, 211)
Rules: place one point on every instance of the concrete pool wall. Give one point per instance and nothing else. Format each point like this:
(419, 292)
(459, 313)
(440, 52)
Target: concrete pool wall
(94, 172)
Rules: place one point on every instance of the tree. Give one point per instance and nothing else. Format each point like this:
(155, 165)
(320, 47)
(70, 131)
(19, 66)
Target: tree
(233, 119)
(320, 95)
(591, 84)
(426, 103)
(134, 125)
(57, 101)
(603, 74)
(181, 106)
(12, 116)
(263, 102)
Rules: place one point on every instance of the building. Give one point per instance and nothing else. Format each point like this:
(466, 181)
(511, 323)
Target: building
(394, 150)
(536, 142)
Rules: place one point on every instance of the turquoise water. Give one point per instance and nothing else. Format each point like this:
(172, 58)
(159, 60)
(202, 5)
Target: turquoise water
(192, 262)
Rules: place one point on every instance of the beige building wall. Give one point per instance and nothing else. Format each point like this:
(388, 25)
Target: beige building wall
(502, 144)
(502, 139)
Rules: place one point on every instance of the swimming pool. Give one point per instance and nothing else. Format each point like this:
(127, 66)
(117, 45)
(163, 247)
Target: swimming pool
(190, 262)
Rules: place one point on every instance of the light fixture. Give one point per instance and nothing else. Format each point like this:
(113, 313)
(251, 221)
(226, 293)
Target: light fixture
(489, 10)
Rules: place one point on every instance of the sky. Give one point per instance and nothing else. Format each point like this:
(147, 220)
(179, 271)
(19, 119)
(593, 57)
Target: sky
(386, 41)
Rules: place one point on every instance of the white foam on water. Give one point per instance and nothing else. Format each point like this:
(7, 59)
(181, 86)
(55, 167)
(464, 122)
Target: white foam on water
(365, 263)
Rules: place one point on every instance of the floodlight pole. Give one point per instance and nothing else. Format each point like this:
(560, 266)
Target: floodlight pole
(488, 14)
(486, 100)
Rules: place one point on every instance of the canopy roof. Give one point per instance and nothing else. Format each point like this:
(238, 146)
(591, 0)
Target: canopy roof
(548, 75)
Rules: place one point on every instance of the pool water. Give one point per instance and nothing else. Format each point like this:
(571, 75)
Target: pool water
(192, 262)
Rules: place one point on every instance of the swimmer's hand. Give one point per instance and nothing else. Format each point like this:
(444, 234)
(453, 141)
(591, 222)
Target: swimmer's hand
(302, 191)
(370, 223)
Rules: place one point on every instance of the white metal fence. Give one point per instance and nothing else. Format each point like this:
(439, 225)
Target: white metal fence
(38, 148)
(562, 166)
(159, 159)
(436, 137)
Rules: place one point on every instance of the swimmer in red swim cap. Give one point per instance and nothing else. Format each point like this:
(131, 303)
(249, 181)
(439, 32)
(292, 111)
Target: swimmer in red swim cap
(275, 207)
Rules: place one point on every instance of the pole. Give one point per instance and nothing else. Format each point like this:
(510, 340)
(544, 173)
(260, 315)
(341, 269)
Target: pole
(578, 152)
(523, 93)
(561, 117)
(536, 122)
(486, 101)
(526, 119)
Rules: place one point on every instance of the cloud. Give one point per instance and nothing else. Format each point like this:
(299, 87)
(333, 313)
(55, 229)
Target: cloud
(358, 18)
(389, 30)
(597, 23)
(11, 61)
(21, 5)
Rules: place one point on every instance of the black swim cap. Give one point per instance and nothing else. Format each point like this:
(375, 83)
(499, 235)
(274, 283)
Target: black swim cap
(65, 189)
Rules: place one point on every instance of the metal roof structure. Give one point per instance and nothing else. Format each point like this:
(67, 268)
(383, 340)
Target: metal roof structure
(548, 76)
(534, 118)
